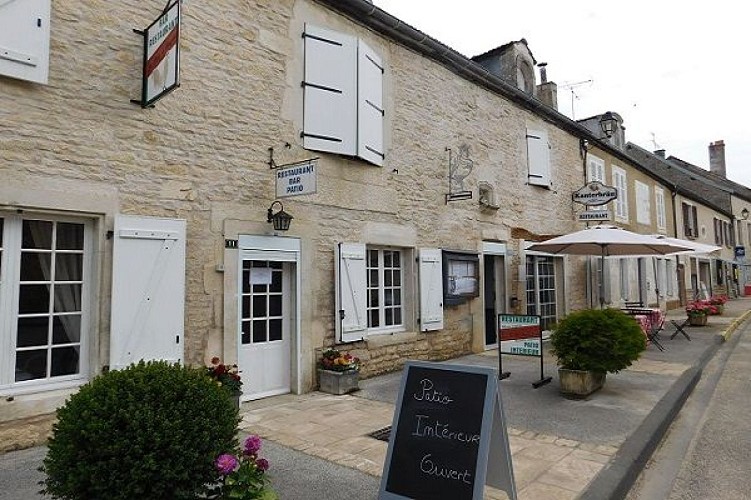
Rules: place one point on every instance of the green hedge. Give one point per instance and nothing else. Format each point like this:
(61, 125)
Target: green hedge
(150, 431)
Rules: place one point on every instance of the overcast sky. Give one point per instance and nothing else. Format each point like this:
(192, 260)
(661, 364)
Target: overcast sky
(678, 72)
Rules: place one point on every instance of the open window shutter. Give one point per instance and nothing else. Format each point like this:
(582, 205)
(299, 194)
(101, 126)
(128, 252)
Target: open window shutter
(148, 290)
(330, 95)
(25, 39)
(694, 221)
(538, 158)
(351, 291)
(369, 105)
(431, 290)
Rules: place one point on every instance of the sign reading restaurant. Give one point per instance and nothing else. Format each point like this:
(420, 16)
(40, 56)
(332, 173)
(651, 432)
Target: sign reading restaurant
(296, 180)
(595, 193)
(161, 56)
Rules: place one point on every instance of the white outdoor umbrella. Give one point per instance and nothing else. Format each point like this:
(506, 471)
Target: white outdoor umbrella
(694, 247)
(606, 241)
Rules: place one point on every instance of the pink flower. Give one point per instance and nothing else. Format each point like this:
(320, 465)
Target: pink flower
(262, 464)
(226, 463)
(252, 445)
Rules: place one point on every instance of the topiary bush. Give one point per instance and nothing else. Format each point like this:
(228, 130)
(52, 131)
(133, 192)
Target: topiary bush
(152, 430)
(598, 340)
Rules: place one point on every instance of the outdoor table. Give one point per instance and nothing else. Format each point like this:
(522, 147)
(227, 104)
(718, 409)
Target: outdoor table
(650, 320)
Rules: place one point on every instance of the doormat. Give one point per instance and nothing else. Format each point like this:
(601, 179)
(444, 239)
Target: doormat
(381, 434)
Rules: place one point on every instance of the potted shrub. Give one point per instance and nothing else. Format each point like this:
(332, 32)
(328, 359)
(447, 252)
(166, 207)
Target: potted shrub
(718, 301)
(591, 343)
(338, 373)
(226, 376)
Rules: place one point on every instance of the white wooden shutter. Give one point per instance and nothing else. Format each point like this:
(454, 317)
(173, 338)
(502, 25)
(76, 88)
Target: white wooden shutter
(643, 208)
(330, 95)
(25, 39)
(369, 105)
(148, 290)
(431, 289)
(538, 158)
(351, 292)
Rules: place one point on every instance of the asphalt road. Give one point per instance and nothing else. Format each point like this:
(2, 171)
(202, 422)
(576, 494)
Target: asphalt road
(295, 476)
(706, 454)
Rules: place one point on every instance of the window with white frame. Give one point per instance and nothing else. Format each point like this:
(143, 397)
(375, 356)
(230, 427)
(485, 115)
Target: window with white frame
(384, 267)
(596, 172)
(343, 109)
(538, 158)
(621, 203)
(624, 279)
(643, 205)
(690, 220)
(660, 208)
(44, 296)
(541, 289)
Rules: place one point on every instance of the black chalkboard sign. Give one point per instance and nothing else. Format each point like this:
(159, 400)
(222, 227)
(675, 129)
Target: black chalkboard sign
(441, 434)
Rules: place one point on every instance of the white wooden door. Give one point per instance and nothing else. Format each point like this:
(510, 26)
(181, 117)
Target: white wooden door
(264, 332)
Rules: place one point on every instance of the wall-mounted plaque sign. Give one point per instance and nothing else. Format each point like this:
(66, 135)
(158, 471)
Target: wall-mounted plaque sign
(297, 179)
(161, 61)
(596, 215)
(595, 193)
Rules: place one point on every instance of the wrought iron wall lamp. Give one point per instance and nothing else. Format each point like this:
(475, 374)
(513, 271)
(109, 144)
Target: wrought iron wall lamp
(280, 219)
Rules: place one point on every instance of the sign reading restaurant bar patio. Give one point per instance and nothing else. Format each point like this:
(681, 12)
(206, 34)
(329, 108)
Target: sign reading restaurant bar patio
(161, 58)
(296, 180)
(595, 193)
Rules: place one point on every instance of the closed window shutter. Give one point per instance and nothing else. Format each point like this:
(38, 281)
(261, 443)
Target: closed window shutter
(538, 158)
(148, 290)
(694, 221)
(686, 211)
(369, 105)
(431, 290)
(330, 95)
(25, 39)
(351, 286)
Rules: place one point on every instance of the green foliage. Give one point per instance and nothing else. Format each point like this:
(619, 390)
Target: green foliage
(599, 340)
(150, 431)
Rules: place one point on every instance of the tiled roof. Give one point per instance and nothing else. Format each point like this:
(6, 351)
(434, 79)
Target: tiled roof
(738, 190)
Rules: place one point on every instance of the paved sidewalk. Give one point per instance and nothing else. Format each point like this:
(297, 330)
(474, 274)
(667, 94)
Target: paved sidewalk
(558, 445)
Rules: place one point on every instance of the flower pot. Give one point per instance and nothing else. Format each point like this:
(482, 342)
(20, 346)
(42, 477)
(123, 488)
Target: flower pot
(579, 384)
(697, 320)
(338, 382)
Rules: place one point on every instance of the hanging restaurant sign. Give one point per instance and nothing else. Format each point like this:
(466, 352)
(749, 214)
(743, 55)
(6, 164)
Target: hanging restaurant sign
(595, 193)
(161, 51)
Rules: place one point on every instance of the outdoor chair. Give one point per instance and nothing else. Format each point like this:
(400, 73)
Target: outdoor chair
(679, 328)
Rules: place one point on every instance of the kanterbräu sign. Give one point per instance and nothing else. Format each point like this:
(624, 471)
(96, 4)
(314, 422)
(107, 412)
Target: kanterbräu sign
(161, 55)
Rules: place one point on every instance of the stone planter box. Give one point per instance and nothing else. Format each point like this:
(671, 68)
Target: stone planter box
(697, 320)
(579, 384)
(338, 382)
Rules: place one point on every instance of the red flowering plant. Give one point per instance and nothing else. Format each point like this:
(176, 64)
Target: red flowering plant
(700, 308)
(336, 361)
(718, 300)
(242, 473)
(227, 376)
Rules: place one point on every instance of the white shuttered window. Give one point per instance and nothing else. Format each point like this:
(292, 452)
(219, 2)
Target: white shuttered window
(621, 203)
(25, 39)
(660, 208)
(643, 205)
(538, 158)
(343, 109)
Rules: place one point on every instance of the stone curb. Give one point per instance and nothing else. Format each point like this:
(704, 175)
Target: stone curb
(616, 479)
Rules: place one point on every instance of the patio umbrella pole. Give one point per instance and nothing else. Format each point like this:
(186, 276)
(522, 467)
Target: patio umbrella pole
(602, 277)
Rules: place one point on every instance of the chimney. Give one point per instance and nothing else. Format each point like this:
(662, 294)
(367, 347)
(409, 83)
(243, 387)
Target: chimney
(547, 92)
(660, 153)
(717, 158)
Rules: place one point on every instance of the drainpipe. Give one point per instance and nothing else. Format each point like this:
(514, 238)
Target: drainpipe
(673, 194)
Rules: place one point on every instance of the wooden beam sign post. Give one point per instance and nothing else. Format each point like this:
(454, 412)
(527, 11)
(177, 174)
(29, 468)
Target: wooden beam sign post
(448, 438)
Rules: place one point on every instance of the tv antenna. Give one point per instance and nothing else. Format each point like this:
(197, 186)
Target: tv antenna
(571, 87)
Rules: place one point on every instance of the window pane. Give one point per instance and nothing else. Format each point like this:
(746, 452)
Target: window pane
(35, 266)
(246, 277)
(387, 258)
(398, 316)
(246, 332)
(275, 329)
(373, 320)
(387, 278)
(69, 236)
(67, 298)
(373, 277)
(246, 306)
(397, 278)
(34, 299)
(260, 288)
(276, 281)
(68, 267)
(388, 298)
(389, 320)
(32, 331)
(37, 234)
(259, 331)
(373, 302)
(275, 305)
(397, 297)
(66, 329)
(396, 262)
(64, 361)
(275, 265)
(259, 306)
(31, 365)
(372, 258)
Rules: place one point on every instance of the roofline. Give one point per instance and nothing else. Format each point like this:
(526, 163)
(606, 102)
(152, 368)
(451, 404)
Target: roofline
(713, 177)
